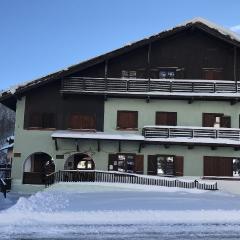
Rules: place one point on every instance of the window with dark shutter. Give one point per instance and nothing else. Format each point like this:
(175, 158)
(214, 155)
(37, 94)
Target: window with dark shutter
(127, 120)
(35, 120)
(166, 118)
(48, 120)
(216, 120)
(82, 121)
(212, 74)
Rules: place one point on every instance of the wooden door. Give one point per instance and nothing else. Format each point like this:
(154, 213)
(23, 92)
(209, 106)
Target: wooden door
(218, 166)
(139, 162)
(225, 121)
(179, 165)
(152, 165)
(209, 119)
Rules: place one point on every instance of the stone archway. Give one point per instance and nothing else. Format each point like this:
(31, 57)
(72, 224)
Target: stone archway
(36, 167)
(79, 161)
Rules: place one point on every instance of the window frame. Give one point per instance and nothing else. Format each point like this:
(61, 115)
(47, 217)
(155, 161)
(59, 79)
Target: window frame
(118, 127)
(166, 112)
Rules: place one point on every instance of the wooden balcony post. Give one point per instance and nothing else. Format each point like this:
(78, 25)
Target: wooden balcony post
(106, 75)
(235, 64)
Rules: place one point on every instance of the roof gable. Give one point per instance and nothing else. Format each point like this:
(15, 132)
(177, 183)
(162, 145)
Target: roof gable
(203, 24)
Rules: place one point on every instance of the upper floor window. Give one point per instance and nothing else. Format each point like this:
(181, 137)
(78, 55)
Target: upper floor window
(42, 120)
(212, 73)
(167, 73)
(166, 118)
(129, 74)
(82, 121)
(127, 120)
(216, 120)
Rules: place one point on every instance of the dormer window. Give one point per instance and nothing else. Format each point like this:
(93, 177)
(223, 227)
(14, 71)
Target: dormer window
(129, 74)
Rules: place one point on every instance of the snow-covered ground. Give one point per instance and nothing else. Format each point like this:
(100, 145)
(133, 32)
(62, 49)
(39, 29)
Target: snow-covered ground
(120, 211)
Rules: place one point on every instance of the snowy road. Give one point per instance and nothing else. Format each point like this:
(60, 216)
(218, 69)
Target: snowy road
(108, 211)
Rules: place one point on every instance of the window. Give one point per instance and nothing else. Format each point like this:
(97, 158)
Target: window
(216, 120)
(127, 120)
(167, 73)
(212, 74)
(166, 118)
(129, 74)
(42, 120)
(82, 121)
(165, 165)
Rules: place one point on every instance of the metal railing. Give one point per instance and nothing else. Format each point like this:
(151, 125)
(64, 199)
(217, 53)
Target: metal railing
(151, 86)
(117, 177)
(167, 132)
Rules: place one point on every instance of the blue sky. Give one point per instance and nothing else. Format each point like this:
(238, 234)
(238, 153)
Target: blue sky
(40, 37)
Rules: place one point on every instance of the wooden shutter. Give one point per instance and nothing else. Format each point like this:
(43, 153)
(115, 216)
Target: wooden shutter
(48, 120)
(112, 160)
(209, 119)
(139, 164)
(179, 165)
(35, 120)
(218, 166)
(213, 74)
(225, 121)
(152, 165)
(73, 121)
(127, 119)
(166, 118)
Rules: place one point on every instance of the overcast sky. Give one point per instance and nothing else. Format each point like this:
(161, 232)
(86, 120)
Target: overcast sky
(40, 37)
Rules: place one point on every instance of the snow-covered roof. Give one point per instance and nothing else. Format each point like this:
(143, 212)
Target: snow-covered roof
(227, 33)
(97, 135)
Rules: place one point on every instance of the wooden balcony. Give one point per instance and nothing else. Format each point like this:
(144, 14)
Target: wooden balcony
(181, 88)
(193, 135)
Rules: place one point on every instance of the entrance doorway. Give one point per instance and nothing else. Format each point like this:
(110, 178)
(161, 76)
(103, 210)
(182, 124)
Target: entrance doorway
(36, 167)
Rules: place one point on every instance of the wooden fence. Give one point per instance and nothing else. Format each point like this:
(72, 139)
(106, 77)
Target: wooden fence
(120, 85)
(117, 177)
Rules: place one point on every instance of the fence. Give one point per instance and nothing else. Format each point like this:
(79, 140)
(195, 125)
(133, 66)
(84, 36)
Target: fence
(189, 132)
(119, 85)
(116, 177)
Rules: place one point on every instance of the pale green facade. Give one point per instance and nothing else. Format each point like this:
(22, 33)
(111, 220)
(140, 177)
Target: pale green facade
(32, 141)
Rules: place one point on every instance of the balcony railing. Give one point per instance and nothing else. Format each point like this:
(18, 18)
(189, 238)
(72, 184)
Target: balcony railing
(152, 86)
(226, 136)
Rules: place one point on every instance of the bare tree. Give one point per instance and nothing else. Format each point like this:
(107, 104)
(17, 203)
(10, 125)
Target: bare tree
(7, 122)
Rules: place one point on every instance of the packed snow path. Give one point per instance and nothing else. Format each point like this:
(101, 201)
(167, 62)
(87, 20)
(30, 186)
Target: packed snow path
(121, 211)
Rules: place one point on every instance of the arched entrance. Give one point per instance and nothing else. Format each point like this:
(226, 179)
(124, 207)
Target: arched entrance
(36, 167)
(79, 161)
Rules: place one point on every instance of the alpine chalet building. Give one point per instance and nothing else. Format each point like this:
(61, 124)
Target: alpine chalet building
(166, 105)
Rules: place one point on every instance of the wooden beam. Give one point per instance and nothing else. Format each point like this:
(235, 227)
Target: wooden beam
(149, 61)
(56, 144)
(234, 101)
(148, 99)
(119, 146)
(213, 148)
(77, 145)
(190, 101)
(166, 146)
(106, 69)
(98, 146)
(235, 64)
(190, 147)
(140, 147)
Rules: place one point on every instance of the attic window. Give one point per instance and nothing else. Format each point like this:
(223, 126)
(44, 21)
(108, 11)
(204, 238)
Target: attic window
(129, 74)
(167, 73)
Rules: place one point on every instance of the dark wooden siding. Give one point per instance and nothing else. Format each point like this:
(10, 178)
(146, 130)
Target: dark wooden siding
(191, 50)
(179, 165)
(218, 166)
(47, 101)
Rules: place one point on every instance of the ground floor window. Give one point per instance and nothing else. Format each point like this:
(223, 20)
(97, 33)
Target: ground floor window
(165, 165)
(126, 162)
(36, 167)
